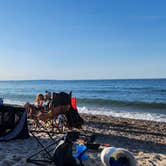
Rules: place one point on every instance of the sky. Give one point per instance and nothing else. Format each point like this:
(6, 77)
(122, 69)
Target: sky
(82, 39)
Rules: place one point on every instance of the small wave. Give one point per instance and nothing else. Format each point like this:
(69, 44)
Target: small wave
(111, 112)
(124, 114)
(135, 104)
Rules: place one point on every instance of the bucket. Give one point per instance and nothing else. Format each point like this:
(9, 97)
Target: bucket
(112, 156)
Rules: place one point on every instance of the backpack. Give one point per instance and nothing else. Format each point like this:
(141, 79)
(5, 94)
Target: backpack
(73, 118)
(63, 155)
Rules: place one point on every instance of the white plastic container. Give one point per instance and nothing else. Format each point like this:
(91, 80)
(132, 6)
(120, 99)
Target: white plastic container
(117, 154)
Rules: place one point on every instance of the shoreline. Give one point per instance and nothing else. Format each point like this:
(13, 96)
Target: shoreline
(126, 114)
(146, 140)
(147, 116)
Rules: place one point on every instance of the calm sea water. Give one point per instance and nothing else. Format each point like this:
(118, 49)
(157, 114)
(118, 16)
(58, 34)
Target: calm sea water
(139, 98)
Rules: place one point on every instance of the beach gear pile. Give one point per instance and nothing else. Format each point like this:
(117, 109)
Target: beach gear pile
(60, 151)
(63, 154)
(13, 124)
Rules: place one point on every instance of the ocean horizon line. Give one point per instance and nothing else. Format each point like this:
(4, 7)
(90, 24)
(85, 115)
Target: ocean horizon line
(105, 79)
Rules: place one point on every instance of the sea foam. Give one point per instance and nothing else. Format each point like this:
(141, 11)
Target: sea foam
(124, 114)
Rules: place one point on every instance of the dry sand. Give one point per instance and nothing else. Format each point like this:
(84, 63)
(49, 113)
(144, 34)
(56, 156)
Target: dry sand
(145, 139)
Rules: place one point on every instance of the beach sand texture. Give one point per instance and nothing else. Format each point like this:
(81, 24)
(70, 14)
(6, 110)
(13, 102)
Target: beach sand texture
(145, 139)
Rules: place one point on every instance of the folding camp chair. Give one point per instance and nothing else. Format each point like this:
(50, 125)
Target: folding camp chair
(49, 156)
(59, 151)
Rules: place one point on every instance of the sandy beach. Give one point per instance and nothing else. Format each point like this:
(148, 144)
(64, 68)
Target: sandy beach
(145, 139)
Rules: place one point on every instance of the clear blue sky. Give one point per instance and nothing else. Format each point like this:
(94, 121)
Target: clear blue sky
(82, 39)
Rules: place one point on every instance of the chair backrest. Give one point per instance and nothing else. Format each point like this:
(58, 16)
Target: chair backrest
(61, 99)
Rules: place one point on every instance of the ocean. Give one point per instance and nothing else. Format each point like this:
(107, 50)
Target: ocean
(130, 98)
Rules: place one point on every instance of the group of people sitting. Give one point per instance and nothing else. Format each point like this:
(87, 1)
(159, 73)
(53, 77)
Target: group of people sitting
(42, 109)
(42, 103)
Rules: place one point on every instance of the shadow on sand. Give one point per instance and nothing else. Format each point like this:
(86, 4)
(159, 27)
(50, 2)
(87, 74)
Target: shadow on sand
(132, 142)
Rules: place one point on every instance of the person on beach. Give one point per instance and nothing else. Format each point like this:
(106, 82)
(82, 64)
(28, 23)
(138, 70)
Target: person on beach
(39, 102)
(47, 96)
(47, 100)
